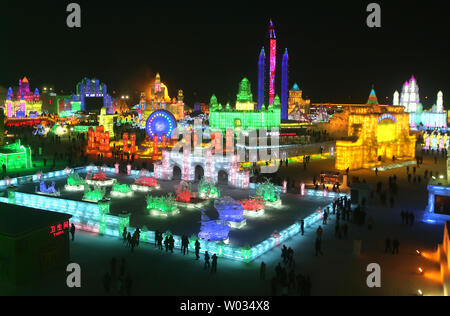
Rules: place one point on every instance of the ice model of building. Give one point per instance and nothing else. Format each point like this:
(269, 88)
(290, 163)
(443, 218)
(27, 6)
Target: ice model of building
(244, 116)
(229, 209)
(50, 189)
(435, 118)
(410, 95)
(157, 98)
(25, 102)
(375, 134)
(15, 156)
(298, 108)
(92, 88)
(212, 230)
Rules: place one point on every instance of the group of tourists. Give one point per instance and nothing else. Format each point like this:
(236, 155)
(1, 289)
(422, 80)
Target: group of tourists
(131, 240)
(407, 217)
(284, 282)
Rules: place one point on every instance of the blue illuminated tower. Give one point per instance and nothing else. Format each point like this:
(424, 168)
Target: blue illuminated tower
(284, 86)
(261, 83)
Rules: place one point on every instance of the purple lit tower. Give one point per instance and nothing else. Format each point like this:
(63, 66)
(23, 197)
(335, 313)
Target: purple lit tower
(272, 62)
(261, 83)
(284, 86)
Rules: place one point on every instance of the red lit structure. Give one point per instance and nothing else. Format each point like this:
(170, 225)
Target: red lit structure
(98, 142)
(253, 204)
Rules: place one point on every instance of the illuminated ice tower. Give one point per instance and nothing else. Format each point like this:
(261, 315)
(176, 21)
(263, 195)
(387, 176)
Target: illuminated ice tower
(440, 102)
(244, 97)
(158, 83)
(418, 117)
(410, 95)
(284, 86)
(273, 62)
(261, 82)
(396, 100)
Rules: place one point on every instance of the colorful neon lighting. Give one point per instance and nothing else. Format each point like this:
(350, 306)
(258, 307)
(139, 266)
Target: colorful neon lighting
(121, 190)
(207, 189)
(268, 192)
(211, 230)
(244, 100)
(15, 156)
(273, 62)
(58, 229)
(230, 211)
(284, 85)
(95, 218)
(162, 205)
(261, 78)
(183, 192)
(94, 195)
(160, 123)
(387, 117)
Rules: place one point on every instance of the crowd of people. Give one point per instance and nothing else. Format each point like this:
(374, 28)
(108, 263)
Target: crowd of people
(286, 281)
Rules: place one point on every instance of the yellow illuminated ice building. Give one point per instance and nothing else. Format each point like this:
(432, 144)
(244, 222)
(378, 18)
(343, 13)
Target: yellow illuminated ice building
(375, 135)
(157, 98)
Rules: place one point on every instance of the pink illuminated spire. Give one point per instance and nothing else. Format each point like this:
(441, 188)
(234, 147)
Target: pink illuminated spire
(272, 61)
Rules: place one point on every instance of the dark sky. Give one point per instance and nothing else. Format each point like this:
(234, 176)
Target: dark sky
(208, 47)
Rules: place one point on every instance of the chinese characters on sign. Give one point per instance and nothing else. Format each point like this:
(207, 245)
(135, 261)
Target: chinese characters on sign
(58, 229)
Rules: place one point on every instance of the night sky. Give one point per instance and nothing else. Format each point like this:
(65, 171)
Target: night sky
(208, 47)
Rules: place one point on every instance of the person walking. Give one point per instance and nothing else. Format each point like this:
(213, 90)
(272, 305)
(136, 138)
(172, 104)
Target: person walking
(214, 263)
(411, 218)
(184, 245)
(171, 243)
(197, 249)
(166, 243)
(124, 235)
(72, 231)
(128, 239)
(319, 232)
(160, 241)
(325, 217)
(207, 265)
(395, 246)
(302, 226)
(387, 247)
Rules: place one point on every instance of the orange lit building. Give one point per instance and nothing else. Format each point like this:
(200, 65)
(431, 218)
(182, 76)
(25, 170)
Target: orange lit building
(98, 142)
(375, 134)
(296, 103)
(158, 98)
